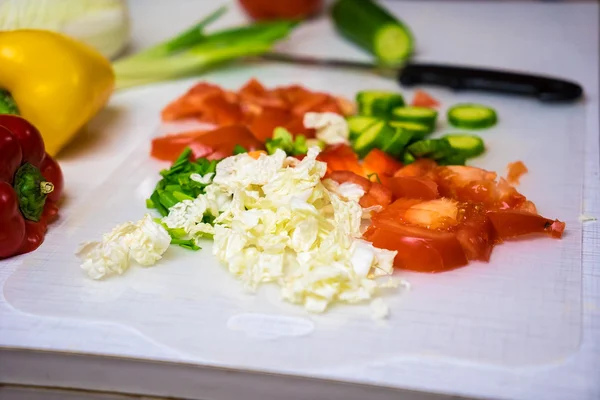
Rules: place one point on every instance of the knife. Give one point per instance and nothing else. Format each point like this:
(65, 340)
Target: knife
(544, 88)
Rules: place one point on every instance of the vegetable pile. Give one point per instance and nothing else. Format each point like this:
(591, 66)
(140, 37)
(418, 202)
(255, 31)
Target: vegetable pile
(297, 188)
(30, 185)
(246, 118)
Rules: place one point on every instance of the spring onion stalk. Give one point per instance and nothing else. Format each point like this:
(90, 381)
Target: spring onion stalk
(102, 24)
(194, 50)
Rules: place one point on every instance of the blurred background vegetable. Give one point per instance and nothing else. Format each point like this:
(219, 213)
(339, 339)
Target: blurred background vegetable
(102, 24)
(193, 50)
(55, 82)
(273, 9)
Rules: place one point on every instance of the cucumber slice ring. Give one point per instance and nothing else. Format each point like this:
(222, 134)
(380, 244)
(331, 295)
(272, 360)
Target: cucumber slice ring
(472, 116)
(466, 145)
(421, 115)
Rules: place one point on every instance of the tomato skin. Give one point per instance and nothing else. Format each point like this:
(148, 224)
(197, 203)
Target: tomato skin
(414, 188)
(476, 233)
(424, 99)
(378, 195)
(288, 9)
(53, 173)
(515, 171)
(217, 143)
(419, 249)
(419, 168)
(380, 163)
(512, 223)
(221, 112)
(341, 157)
(264, 124)
(348, 176)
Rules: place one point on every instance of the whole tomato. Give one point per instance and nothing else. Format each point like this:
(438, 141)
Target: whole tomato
(281, 9)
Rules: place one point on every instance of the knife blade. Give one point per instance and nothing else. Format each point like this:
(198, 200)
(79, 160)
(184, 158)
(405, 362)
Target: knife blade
(544, 88)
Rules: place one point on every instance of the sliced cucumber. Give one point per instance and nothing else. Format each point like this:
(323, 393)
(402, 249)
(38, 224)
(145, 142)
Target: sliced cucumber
(357, 124)
(466, 145)
(453, 159)
(371, 27)
(431, 148)
(472, 116)
(378, 103)
(421, 115)
(419, 131)
(396, 145)
(373, 137)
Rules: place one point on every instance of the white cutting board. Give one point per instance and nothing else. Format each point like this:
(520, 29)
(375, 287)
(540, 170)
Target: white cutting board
(522, 309)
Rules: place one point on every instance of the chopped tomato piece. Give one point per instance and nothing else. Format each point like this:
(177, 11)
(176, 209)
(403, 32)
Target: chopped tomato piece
(256, 94)
(264, 124)
(378, 195)
(380, 163)
(347, 107)
(515, 171)
(438, 214)
(215, 144)
(309, 102)
(341, 157)
(347, 176)
(421, 167)
(169, 147)
(475, 232)
(190, 104)
(419, 249)
(513, 223)
(414, 188)
(423, 99)
(296, 127)
(219, 111)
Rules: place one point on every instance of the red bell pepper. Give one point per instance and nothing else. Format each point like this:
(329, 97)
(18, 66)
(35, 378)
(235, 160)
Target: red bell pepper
(30, 185)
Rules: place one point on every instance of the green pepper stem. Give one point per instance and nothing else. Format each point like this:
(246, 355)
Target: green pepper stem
(46, 187)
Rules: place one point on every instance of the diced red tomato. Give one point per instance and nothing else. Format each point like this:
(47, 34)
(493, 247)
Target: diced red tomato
(421, 167)
(378, 195)
(262, 125)
(423, 99)
(219, 111)
(515, 171)
(513, 223)
(296, 127)
(190, 104)
(475, 232)
(413, 188)
(351, 177)
(309, 102)
(341, 157)
(419, 249)
(380, 163)
(256, 94)
(215, 144)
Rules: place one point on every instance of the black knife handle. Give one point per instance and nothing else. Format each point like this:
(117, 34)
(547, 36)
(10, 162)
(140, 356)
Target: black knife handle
(465, 78)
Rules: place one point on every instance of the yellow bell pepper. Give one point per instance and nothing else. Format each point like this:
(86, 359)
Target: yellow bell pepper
(58, 83)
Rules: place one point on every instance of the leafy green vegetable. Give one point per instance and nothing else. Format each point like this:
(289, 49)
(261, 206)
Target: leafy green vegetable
(284, 140)
(178, 237)
(177, 184)
(239, 150)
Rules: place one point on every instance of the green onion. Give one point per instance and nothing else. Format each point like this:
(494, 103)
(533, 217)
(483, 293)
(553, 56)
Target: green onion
(193, 50)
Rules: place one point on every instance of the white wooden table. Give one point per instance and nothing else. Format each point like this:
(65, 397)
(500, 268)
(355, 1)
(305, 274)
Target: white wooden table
(555, 39)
